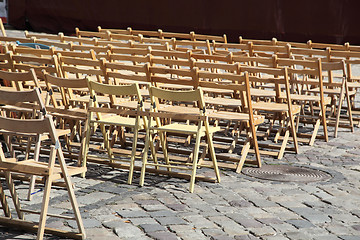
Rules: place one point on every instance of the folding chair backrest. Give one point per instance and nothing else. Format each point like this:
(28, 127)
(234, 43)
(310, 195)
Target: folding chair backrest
(17, 98)
(19, 79)
(120, 73)
(28, 126)
(66, 87)
(195, 95)
(118, 90)
(47, 63)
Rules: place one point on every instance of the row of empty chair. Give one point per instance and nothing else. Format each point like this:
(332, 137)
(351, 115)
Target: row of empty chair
(164, 106)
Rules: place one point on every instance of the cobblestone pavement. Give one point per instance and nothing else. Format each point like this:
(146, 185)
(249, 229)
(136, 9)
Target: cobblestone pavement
(240, 207)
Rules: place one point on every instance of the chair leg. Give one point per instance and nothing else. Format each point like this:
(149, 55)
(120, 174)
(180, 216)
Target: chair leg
(284, 143)
(33, 178)
(213, 157)
(145, 156)
(71, 193)
(341, 100)
(194, 165)
(44, 208)
(133, 153)
(348, 102)
(244, 153)
(315, 131)
(85, 147)
(14, 195)
(4, 203)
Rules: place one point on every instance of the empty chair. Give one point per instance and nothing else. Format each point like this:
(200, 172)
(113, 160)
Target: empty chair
(200, 128)
(112, 117)
(48, 170)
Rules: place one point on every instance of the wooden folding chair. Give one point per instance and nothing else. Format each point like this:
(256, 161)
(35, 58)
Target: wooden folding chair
(67, 106)
(112, 117)
(199, 130)
(305, 75)
(241, 111)
(49, 171)
(284, 112)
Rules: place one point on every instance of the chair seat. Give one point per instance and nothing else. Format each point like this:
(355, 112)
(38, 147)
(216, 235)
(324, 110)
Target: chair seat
(182, 109)
(262, 92)
(226, 102)
(334, 91)
(309, 98)
(184, 128)
(119, 120)
(85, 99)
(33, 167)
(235, 116)
(276, 107)
(131, 104)
(354, 84)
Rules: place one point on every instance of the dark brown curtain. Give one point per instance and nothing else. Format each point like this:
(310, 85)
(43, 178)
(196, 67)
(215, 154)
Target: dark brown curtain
(333, 21)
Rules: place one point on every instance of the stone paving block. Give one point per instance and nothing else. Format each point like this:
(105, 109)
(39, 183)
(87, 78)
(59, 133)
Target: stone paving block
(356, 227)
(211, 232)
(221, 237)
(327, 237)
(260, 202)
(152, 208)
(240, 203)
(191, 235)
(316, 231)
(128, 205)
(346, 237)
(142, 202)
(133, 214)
(143, 220)
(244, 221)
(128, 231)
(262, 231)
(276, 237)
(88, 223)
(182, 228)
(93, 197)
(226, 209)
(177, 206)
(101, 234)
(163, 236)
(318, 218)
(152, 228)
(246, 237)
(199, 221)
(269, 220)
(345, 217)
(284, 227)
(162, 213)
(170, 221)
(297, 235)
(235, 230)
(312, 215)
(300, 223)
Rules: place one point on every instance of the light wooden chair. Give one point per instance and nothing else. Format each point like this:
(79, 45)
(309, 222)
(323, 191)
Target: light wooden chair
(68, 107)
(305, 75)
(282, 111)
(338, 87)
(49, 171)
(112, 117)
(237, 109)
(199, 130)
